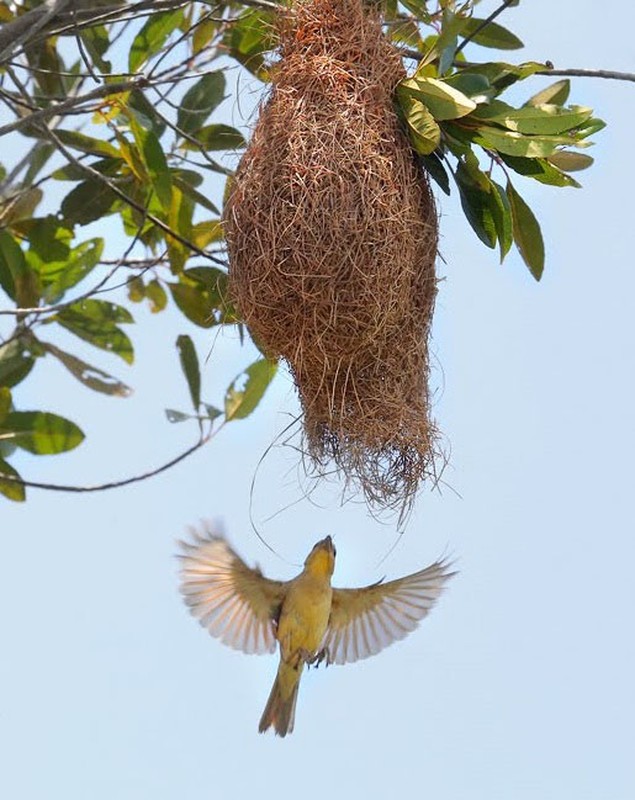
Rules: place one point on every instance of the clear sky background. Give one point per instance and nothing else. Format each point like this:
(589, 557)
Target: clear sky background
(519, 686)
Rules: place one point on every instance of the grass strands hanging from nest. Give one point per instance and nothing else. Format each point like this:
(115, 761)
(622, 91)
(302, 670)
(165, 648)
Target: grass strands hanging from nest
(332, 235)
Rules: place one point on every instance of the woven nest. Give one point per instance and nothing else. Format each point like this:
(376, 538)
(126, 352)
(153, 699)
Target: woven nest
(332, 236)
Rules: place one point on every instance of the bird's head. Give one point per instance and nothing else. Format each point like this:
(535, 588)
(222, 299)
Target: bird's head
(321, 559)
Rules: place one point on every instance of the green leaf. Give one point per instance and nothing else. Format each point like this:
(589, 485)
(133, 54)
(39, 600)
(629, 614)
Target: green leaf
(204, 233)
(11, 490)
(203, 33)
(249, 37)
(21, 206)
(246, 390)
(94, 322)
(48, 65)
(433, 165)
(527, 233)
(48, 240)
(591, 127)
(193, 301)
(41, 432)
(501, 75)
(11, 261)
(189, 365)
(136, 289)
(547, 120)
(557, 94)
(87, 144)
(215, 137)
(17, 278)
(212, 412)
(568, 161)
(156, 296)
(189, 191)
(180, 221)
(201, 295)
(88, 201)
(200, 100)
(518, 144)
(540, 169)
(177, 416)
(418, 8)
(5, 402)
(97, 43)
(447, 42)
(15, 363)
(187, 176)
(469, 84)
(502, 216)
(101, 311)
(59, 276)
(154, 161)
(74, 172)
(38, 157)
(152, 36)
(442, 100)
(457, 139)
(492, 35)
(145, 113)
(424, 132)
(406, 32)
(476, 205)
(92, 377)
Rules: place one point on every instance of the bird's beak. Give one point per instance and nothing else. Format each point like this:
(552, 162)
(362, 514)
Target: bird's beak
(328, 542)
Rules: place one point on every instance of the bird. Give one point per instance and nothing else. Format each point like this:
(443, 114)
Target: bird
(305, 617)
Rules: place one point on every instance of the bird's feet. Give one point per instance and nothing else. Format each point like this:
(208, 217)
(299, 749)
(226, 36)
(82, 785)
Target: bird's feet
(317, 658)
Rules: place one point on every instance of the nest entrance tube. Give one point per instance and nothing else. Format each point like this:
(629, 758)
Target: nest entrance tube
(332, 235)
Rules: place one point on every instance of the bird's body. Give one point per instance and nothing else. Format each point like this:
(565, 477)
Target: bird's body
(306, 617)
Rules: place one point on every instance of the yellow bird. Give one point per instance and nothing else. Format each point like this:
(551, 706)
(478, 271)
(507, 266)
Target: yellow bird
(309, 619)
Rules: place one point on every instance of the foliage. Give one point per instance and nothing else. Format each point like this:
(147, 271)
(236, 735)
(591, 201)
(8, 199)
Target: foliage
(113, 116)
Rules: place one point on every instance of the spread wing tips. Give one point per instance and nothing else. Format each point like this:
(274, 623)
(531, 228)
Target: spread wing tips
(232, 601)
(365, 621)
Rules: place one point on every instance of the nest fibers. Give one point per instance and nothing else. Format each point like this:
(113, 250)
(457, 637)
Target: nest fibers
(332, 235)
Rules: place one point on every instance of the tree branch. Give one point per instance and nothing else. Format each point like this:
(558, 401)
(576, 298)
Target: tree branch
(101, 487)
(15, 34)
(65, 106)
(41, 22)
(574, 72)
(608, 74)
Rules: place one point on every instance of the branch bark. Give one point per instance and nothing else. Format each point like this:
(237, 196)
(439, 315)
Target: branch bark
(101, 487)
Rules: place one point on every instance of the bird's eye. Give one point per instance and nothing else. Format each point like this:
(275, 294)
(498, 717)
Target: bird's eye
(334, 551)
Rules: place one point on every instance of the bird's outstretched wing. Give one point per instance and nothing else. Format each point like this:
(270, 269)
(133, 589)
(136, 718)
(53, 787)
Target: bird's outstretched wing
(235, 603)
(364, 621)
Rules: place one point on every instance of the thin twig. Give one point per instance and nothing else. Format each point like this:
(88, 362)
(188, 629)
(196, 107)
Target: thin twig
(101, 487)
(608, 74)
(60, 108)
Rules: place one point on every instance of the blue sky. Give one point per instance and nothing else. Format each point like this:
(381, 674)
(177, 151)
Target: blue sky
(519, 684)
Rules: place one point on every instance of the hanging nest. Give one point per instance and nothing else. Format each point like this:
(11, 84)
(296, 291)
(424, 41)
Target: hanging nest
(332, 235)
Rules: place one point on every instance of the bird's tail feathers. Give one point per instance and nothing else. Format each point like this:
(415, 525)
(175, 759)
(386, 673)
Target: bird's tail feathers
(280, 708)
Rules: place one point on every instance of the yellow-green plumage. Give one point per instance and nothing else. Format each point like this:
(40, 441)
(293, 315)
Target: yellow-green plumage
(305, 617)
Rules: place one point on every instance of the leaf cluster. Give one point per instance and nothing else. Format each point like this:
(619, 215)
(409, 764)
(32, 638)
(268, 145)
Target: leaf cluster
(139, 150)
(463, 130)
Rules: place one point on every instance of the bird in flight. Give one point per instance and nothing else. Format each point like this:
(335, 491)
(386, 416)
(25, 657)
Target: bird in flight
(309, 620)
